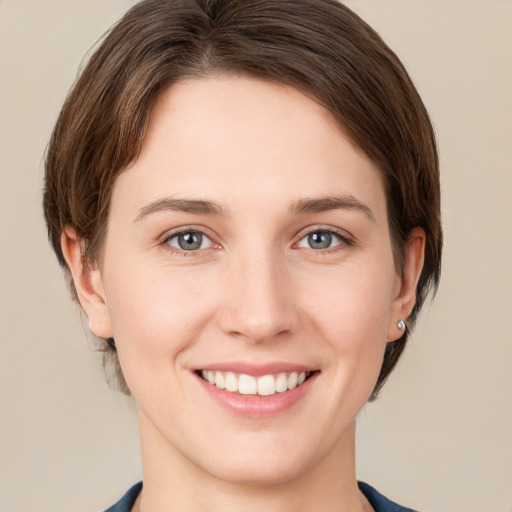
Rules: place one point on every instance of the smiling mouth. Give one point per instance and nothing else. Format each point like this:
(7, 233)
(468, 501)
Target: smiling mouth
(264, 385)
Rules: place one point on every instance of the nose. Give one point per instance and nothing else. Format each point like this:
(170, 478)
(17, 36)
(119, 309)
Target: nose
(259, 301)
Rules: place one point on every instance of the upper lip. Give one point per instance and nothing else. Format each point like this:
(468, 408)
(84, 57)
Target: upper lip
(257, 370)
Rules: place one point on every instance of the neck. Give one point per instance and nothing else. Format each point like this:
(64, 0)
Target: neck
(173, 482)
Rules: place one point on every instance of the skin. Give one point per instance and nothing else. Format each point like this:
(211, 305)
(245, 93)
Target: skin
(256, 291)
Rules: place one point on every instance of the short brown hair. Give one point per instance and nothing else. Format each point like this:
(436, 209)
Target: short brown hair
(319, 47)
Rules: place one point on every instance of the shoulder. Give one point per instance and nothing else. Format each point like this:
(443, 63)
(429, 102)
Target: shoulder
(379, 502)
(125, 504)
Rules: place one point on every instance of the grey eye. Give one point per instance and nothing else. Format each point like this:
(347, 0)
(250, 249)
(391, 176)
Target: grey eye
(320, 240)
(189, 241)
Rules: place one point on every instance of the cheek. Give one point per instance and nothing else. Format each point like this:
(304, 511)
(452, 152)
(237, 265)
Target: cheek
(352, 302)
(156, 313)
(351, 311)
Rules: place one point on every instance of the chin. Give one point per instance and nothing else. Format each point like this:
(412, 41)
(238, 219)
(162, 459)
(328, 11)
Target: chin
(262, 472)
(260, 463)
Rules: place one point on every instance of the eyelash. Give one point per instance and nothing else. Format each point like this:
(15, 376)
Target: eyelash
(185, 231)
(344, 240)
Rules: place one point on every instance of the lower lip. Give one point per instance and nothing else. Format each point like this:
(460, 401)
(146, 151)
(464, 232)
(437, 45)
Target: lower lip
(256, 406)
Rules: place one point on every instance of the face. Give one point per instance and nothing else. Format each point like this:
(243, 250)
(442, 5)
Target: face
(248, 245)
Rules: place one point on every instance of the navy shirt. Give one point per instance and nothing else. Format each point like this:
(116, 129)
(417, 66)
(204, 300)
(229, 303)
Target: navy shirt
(378, 502)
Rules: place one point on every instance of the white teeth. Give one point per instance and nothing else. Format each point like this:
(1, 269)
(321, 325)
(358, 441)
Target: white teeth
(292, 380)
(219, 380)
(247, 385)
(265, 385)
(281, 383)
(231, 382)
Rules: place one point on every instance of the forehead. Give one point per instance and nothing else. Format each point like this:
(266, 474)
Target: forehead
(236, 138)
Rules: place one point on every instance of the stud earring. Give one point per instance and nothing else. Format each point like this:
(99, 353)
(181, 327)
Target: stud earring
(401, 325)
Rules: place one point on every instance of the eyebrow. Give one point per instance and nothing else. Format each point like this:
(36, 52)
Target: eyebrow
(195, 206)
(302, 206)
(322, 204)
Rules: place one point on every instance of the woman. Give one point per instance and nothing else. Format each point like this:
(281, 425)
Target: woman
(245, 197)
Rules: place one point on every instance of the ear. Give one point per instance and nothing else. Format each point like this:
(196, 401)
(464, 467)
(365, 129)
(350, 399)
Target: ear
(405, 290)
(88, 283)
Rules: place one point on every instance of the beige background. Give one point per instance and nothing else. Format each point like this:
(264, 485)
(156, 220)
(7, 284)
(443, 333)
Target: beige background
(440, 437)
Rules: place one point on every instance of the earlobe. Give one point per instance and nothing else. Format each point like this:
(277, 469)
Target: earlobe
(405, 298)
(88, 284)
